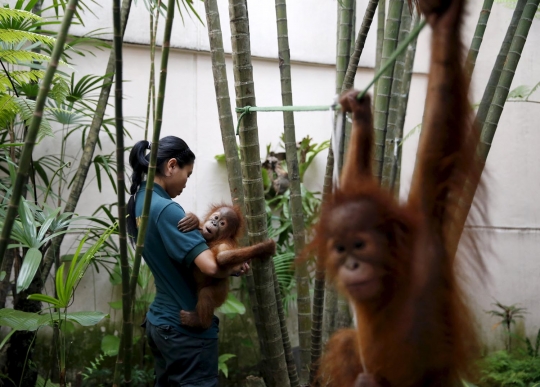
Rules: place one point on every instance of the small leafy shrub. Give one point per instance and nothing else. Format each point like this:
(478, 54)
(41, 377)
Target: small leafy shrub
(504, 369)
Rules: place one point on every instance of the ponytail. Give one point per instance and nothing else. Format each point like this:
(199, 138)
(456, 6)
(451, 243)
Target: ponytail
(169, 147)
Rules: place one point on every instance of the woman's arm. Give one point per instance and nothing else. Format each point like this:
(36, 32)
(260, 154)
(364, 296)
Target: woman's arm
(206, 262)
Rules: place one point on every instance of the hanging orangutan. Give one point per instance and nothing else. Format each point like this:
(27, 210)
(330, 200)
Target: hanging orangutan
(395, 262)
(221, 228)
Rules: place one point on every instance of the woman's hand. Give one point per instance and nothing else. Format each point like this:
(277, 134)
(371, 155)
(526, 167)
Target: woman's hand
(188, 223)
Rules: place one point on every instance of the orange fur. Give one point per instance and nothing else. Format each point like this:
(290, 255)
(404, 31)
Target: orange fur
(414, 325)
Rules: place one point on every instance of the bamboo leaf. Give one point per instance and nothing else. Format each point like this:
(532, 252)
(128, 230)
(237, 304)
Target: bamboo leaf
(29, 268)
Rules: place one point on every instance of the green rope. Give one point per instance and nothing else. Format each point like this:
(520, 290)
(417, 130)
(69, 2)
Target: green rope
(400, 48)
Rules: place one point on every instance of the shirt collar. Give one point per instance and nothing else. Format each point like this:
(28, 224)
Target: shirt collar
(157, 189)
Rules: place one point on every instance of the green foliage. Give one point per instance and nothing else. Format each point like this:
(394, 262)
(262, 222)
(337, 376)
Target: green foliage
(522, 93)
(279, 214)
(66, 288)
(512, 4)
(507, 314)
(504, 369)
(222, 365)
(232, 306)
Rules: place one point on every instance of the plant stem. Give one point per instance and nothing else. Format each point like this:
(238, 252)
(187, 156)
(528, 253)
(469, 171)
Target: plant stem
(127, 317)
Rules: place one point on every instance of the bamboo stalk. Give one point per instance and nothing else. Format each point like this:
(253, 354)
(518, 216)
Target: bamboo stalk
(478, 36)
(33, 129)
(254, 193)
(381, 17)
(296, 209)
(342, 60)
(384, 85)
(151, 104)
(320, 283)
(402, 110)
(88, 151)
(153, 152)
(350, 75)
(392, 138)
(507, 75)
(489, 91)
(495, 110)
(344, 41)
(228, 137)
(127, 317)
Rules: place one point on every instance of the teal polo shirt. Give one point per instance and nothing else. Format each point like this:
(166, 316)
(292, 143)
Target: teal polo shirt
(169, 254)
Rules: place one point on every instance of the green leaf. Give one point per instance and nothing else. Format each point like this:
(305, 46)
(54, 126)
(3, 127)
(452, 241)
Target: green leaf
(23, 321)
(45, 298)
(221, 363)
(116, 305)
(2, 275)
(232, 305)
(110, 345)
(29, 268)
(86, 319)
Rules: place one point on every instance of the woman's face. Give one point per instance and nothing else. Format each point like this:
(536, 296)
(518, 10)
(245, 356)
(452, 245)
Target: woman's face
(177, 178)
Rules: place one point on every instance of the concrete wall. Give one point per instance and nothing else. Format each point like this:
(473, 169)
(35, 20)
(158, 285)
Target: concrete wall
(191, 113)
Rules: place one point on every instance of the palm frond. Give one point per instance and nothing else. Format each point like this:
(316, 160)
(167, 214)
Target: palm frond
(26, 111)
(19, 77)
(12, 36)
(22, 57)
(9, 13)
(8, 109)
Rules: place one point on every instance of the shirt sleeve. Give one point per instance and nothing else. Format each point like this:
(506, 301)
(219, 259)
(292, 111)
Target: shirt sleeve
(183, 247)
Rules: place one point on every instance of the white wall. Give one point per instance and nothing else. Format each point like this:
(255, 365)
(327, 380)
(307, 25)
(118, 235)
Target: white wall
(191, 113)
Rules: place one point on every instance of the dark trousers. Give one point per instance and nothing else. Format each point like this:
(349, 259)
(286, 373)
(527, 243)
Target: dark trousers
(182, 360)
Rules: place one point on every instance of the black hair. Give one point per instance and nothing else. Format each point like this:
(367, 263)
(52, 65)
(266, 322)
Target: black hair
(169, 147)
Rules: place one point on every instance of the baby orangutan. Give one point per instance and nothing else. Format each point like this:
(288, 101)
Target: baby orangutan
(221, 229)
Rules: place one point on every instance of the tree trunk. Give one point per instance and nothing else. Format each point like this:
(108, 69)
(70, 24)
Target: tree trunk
(297, 213)
(254, 193)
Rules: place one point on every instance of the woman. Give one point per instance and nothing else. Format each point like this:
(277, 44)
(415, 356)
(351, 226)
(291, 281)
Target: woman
(183, 356)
